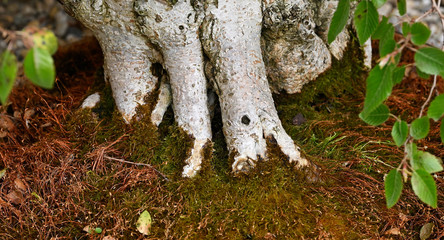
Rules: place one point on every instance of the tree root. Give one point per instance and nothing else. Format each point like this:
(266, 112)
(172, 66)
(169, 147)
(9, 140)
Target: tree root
(237, 37)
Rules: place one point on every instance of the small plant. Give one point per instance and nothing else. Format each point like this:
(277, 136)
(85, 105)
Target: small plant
(416, 164)
(38, 63)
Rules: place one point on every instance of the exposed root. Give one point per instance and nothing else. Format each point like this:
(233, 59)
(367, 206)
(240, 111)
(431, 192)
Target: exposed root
(248, 111)
(127, 55)
(163, 102)
(194, 162)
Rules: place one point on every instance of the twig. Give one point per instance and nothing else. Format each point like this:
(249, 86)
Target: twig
(137, 164)
(430, 96)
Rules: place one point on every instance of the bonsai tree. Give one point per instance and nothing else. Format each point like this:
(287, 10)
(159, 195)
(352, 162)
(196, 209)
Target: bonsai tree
(240, 50)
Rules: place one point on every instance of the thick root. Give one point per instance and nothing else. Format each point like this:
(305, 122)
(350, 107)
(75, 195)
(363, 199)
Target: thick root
(127, 55)
(194, 162)
(174, 29)
(163, 102)
(248, 111)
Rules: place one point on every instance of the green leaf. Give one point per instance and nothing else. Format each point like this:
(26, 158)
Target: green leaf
(430, 60)
(400, 132)
(45, 39)
(402, 7)
(422, 74)
(393, 187)
(398, 75)
(382, 29)
(339, 20)
(366, 20)
(436, 108)
(420, 128)
(424, 187)
(8, 73)
(378, 3)
(442, 131)
(2, 173)
(385, 32)
(406, 28)
(98, 230)
(379, 87)
(378, 116)
(426, 161)
(39, 67)
(144, 222)
(412, 150)
(420, 33)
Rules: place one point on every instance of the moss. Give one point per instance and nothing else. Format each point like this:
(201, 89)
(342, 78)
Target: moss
(272, 200)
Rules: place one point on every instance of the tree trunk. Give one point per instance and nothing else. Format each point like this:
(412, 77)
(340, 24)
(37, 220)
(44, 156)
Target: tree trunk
(243, 50)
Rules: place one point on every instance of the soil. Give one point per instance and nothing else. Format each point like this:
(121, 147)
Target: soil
(64, 169)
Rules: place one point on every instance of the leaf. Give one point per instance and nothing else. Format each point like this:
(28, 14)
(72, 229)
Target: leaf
(379, 87)
(393, 187)
(98, 230)
(378, 3)
(39, 67)
(2, 173)
(339, 20)
(385, 32)
(430, 60)
(442, 131)
(426, 231)
(420, 33)
(45, 39)
(8, 73)
(400, 132)
(366, 20)
(406, 28)
(412, 150)
(378, 116)
(421, 74)
(420, 128)
(426, 161)
(402, 7)
(398, 75)
(436, 108)
(424, 187)
(143, 224)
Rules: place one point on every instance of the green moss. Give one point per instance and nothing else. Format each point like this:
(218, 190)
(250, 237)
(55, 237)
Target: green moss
(272, 200)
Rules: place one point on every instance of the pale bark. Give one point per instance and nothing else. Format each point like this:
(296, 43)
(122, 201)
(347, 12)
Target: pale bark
(174, 29)
(231, 35)
(245, 42)
(128, 55)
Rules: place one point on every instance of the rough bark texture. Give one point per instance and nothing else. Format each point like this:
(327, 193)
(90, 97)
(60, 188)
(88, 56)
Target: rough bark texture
(231, 35)
(128, 55)
(244, 42)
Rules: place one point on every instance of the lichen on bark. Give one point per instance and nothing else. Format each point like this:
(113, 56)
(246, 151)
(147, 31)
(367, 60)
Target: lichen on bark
(234, 47)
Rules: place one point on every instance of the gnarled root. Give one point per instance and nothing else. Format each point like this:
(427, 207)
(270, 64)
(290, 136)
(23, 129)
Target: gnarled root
(174, 30)
(231, 35)
(127, 56)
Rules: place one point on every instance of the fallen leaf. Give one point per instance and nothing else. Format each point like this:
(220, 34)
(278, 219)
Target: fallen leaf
(108, 238)
(426, 231)
(14, 197)
(6, 123)
(19, 184)
(393, 231)
(29, 113)
(2, 173)
(143, 224)
(88, 229)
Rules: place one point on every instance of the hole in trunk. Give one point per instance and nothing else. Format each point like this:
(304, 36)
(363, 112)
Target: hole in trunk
(245, 120)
